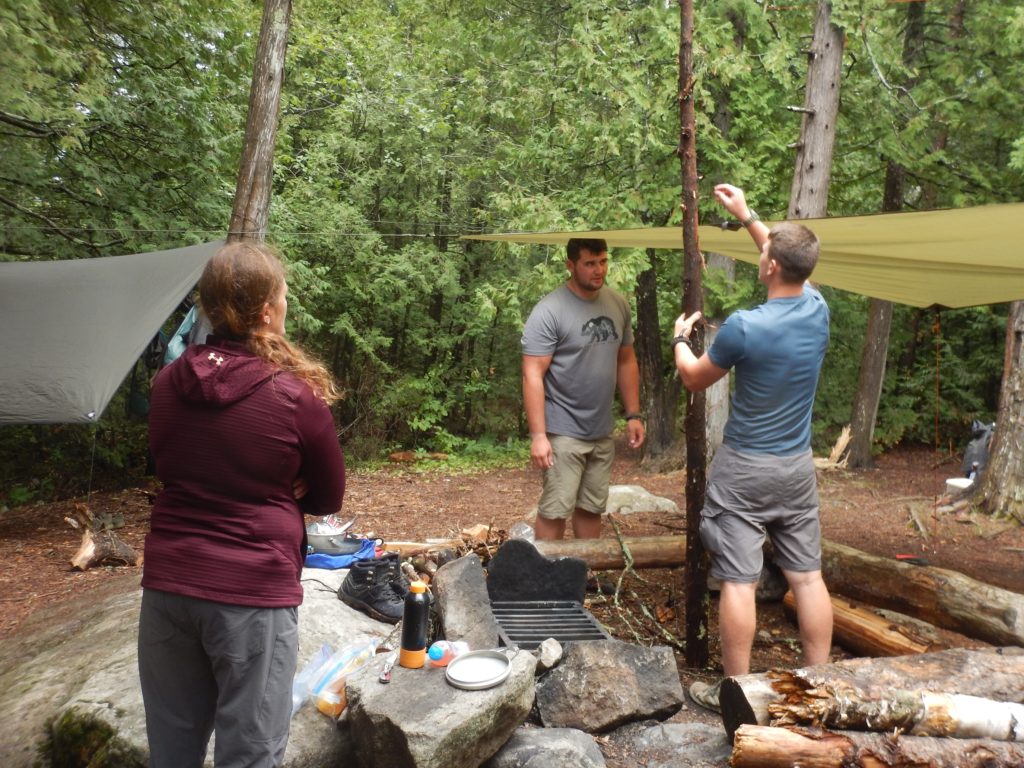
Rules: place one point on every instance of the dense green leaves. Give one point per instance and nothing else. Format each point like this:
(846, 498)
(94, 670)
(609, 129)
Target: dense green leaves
(405, 125)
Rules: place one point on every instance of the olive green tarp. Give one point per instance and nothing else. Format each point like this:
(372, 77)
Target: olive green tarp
(946, 258)
(70, 331)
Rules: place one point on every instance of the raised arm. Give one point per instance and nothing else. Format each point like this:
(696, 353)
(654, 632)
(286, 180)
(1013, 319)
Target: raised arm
(735, 202)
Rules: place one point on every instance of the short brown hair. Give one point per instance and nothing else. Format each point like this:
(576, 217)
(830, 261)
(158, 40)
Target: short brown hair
(795, 248)
(577, 244)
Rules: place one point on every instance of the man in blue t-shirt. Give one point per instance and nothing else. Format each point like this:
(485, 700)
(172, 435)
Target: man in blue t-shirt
(762, 480)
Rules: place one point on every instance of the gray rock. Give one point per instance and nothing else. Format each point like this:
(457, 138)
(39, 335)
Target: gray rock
(625, 499)
(604, 684)
(79, 667)
(460, 589)
(548, 654)
(418, 720)
(669, 745)
(548, 748)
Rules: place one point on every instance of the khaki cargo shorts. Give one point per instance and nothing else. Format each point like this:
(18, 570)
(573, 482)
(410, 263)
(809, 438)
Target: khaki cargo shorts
(579, 477)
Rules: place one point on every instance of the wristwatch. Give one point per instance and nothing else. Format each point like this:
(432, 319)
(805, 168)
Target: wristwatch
(632, 416)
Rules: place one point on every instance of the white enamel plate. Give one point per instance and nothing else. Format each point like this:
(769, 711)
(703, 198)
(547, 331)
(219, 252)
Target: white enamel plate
(477, 670)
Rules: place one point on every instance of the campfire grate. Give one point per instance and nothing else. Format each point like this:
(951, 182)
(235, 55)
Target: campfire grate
(528, 623)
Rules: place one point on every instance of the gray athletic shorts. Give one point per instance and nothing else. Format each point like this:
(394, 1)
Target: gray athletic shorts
(579, 477)
(752, 495)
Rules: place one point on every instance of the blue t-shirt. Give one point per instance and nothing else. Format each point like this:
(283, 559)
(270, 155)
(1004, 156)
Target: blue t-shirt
(776, 350)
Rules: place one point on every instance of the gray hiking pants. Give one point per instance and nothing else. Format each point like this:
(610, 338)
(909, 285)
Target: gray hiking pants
(209, 667)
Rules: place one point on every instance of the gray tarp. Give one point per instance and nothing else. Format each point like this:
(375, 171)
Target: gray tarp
(70, 331)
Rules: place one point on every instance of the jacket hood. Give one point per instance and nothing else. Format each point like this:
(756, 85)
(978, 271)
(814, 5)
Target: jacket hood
(218, 373)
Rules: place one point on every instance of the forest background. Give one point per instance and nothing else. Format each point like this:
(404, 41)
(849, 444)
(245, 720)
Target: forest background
(407, 124)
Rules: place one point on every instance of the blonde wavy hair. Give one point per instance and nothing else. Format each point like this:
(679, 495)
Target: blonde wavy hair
(238, 281)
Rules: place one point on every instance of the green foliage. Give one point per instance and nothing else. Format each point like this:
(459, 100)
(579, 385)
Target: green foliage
(405, 125)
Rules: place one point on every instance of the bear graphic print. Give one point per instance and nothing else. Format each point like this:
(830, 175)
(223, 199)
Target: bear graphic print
(600, 328)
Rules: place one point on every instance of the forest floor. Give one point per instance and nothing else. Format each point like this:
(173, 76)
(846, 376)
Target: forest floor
(885, 511)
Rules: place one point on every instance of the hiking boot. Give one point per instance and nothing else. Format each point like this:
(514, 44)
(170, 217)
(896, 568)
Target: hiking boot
(367, 588)
(706, 695)
(400, 584)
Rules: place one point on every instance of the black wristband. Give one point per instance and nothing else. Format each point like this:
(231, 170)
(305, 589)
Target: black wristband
(680, 339)
(632, 416)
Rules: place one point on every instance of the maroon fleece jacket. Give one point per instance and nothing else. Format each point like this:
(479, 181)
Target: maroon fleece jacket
(230, 435)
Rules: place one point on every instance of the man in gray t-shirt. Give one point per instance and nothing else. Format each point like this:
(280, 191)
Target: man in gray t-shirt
(577, 346)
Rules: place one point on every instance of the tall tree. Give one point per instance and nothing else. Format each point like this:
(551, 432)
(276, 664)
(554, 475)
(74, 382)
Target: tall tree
(876, 338)
(256, 167)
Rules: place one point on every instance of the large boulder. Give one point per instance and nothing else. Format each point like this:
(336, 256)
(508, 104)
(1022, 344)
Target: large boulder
(419, 720)
(70, 683)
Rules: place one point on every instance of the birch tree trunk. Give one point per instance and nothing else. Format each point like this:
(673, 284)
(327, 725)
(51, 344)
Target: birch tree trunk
(996, 673)
(251, 208)
(1001, 492)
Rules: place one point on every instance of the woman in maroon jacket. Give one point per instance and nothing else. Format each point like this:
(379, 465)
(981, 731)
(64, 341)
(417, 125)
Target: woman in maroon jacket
(244, 444)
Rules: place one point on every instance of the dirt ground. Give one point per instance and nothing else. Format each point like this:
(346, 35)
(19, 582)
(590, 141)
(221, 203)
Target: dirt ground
(885, 511)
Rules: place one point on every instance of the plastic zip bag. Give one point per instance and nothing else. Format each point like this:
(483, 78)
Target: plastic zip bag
(300, 685)
(327, 686)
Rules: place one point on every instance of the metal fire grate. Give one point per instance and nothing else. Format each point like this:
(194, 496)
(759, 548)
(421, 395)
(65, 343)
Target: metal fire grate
(528, 623)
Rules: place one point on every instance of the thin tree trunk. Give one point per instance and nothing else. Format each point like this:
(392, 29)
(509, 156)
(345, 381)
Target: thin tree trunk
(697, 600)
(876, 338)
(659, 394)
(251, 208)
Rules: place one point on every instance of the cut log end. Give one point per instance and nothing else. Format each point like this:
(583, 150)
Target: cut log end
(99, 548)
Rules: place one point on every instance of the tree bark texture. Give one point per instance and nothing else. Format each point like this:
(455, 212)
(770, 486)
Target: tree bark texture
(869, 384)
(996, 673)
(605, 554)
(876, 338)
(808, 195)
(1001, 492)
(659, 393)
(697, 601)
(916, 713)
(763, 747)
(251, 208)
(942, 597)
(103, 547)
(865, 633)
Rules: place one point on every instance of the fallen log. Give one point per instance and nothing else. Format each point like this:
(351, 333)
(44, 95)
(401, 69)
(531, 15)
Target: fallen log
(759, 746)
(865, 633)
(607, 553)
(945, 598)
(917, 713)
(102, 547)
(996, 673)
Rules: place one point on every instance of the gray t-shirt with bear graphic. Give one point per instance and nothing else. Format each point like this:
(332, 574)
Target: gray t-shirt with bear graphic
(583, 338)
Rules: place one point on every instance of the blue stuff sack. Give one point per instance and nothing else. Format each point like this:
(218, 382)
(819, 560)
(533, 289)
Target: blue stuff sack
(367, 551)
